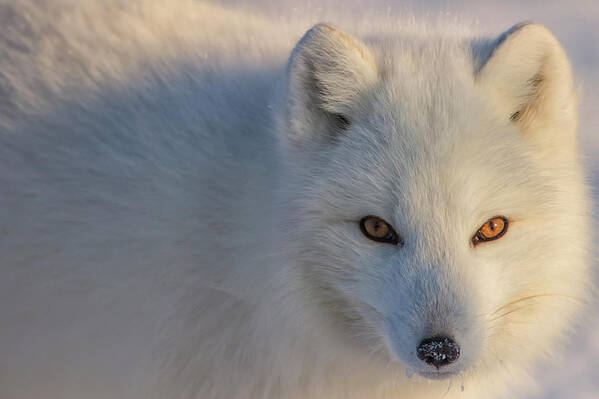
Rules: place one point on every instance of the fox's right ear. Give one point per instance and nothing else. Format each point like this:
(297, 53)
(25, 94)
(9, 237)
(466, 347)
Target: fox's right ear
(328, 73)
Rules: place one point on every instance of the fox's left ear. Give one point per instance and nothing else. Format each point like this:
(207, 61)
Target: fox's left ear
(527, 73)
(328, 74)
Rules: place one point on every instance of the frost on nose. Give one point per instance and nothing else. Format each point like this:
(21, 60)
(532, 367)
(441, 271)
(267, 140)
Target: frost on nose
(438, 351)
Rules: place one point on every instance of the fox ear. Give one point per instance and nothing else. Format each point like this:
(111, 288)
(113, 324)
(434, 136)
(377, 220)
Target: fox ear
(328, 73)
(528, 74)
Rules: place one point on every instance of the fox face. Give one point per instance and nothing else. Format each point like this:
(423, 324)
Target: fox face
(438, 205)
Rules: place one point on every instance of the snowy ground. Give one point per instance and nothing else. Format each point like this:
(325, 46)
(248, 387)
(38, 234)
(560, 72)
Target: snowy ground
(576, 24)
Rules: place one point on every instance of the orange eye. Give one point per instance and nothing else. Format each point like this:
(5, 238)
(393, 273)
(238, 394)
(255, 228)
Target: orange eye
(492, 229)
(377, 229)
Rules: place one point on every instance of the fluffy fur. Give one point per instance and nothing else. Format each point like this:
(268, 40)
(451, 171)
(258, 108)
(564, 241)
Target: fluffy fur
(180, 200)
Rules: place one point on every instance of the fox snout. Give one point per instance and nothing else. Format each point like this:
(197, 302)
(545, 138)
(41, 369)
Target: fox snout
(435, 332)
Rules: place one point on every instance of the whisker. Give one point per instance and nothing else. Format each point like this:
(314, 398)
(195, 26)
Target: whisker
(530, 297)
(511, 311)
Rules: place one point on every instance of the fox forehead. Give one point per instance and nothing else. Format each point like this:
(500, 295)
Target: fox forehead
(410, 153)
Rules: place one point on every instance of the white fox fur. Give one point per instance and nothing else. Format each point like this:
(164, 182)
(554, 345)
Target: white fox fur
(180, 202)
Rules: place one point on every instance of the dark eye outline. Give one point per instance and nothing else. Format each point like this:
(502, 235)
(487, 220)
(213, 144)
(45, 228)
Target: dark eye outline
(479, 237)
(341, 122)
(391, 238)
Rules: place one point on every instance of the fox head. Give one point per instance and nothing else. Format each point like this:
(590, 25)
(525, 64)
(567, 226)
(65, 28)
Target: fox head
(438, 209)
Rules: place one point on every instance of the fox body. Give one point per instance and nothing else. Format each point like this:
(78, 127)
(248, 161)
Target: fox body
(191, 207)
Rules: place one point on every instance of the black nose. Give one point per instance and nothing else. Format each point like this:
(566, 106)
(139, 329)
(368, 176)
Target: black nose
(438, 351)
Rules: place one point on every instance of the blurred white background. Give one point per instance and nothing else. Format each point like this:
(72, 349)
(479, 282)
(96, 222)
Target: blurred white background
(576, 24)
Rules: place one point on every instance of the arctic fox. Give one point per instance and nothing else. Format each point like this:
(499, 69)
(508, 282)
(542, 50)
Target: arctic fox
(193, 208)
